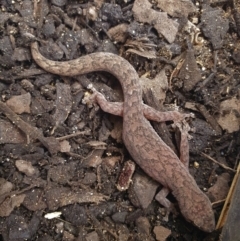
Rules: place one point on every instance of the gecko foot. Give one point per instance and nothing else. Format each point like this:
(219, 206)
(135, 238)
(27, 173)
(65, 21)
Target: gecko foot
(183, 127)
(115, 108)
(91, 98)
(185, 116)
(161, 197)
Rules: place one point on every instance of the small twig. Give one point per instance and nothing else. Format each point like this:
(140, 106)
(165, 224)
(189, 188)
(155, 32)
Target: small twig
(220, 164)
(50, 143)
(208, 79)
(16, 192)
(219, 202)
(237, 161)
(229, 198)
(74, 155)
(73, 135)
(211, 120)
(212, 75)
(91, 29)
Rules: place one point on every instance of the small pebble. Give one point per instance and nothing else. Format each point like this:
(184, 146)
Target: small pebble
(196, 164)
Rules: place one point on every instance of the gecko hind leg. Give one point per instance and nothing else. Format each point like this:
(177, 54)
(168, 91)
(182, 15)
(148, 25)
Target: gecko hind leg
(161, 197)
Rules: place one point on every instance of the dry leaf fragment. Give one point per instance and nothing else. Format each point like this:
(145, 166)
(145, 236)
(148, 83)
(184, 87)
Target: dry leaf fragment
(63, 103)
(10, 203)
(143, 12)
(26, 167)
(177, 7)
(20, 103)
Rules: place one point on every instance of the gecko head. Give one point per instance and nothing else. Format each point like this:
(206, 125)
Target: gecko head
(200, 213)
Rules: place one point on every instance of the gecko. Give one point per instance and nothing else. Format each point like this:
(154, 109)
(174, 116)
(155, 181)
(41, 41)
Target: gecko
(145, 146)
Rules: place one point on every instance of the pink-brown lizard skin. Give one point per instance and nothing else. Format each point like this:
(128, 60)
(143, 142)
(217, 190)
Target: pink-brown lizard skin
(143, 143)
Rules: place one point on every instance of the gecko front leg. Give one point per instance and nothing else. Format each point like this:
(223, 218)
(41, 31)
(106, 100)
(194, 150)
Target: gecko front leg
(116, 108)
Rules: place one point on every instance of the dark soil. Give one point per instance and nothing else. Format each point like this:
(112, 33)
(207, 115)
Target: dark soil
(65, 156)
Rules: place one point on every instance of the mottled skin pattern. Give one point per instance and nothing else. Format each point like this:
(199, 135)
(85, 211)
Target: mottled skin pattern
(145, 146)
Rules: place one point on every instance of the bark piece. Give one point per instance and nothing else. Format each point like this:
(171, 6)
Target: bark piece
(177, 7)
(20, 103)
(61, 196)
(143, 12)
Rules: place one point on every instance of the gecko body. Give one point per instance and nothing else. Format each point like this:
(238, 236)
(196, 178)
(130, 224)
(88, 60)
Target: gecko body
(143, 143)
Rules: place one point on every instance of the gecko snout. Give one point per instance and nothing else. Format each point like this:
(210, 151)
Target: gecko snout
(203, 215)
(206, 223)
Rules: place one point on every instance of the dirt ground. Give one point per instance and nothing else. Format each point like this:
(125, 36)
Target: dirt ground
(62, 161)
